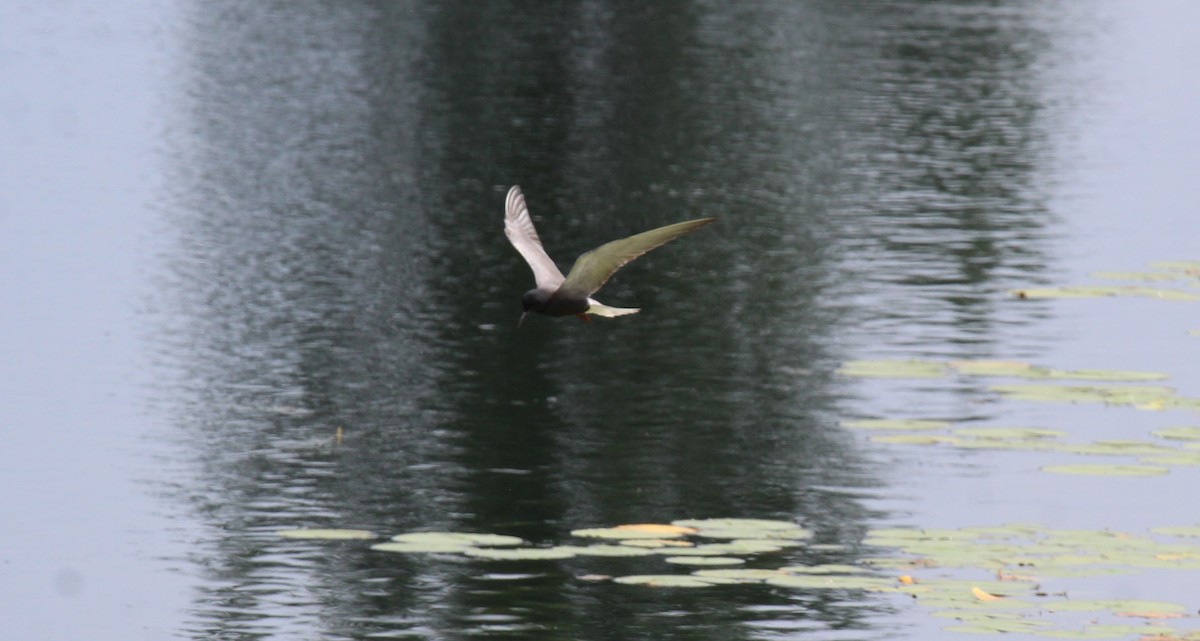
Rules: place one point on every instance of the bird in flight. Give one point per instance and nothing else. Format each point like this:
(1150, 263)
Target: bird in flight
(558, 295)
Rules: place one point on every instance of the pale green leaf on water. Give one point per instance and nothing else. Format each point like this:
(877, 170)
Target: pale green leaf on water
(458, 538)
(1106, 470)
(1147, 277)
(739, 528)
(998, 626)
(757, 546)
(1193, 332)
(915, 439)
(1191, 267)
(672, 580)
(905, 424)
(992, 367)
(1009, 433)
(1064, 292)
(704, 560)
(1110, 394)
(635, 531)
(1113, 605)
(422, 548)
(605, 550)
(326, 533)
(1180, 457)
(1104, 632)
(831, 582)
(1114, 448)
(1179, 433)
(1178, 530)
(519, 554)
(893, 369)
(1104, 375)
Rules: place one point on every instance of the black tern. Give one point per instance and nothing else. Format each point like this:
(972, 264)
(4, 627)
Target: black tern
(558, 295)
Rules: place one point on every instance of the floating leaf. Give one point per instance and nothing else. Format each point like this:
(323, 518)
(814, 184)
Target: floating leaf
(1179, 433)
(893, 369)
(458, 538)
(914, 439)
(831, 582)
(1106, 470)
(1113, 605)
(704, 560)
(672, 580)
(735, 528)
(829, 568)
(1014, 433)
(907, 424)
(635, 531)
(992, 368)
(983, 596)
(326, 533)
(519, 554)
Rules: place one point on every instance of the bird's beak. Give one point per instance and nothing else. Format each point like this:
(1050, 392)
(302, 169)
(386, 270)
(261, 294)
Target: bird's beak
(522, 319)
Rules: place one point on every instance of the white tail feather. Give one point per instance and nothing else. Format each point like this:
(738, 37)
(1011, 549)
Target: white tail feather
(600, 309)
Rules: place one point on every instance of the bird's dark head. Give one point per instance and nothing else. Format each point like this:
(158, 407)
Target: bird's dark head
(534, 300)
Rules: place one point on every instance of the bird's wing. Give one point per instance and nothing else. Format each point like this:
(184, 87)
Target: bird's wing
(594, 268)
(518, 226)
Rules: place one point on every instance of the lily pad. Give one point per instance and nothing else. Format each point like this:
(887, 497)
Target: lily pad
(1009, 433)
(326, 533)
(1113, 605)
(906, 424)
(1179, 433)
(704, 560)
(893, 369)
(737, 528)
(458, 538)
(832, 582)
(636, 531)
(1106, 470)
(519, 554)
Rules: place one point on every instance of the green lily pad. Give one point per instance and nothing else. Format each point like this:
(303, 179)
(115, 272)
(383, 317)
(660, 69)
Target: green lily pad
(735, 528)
(1186, 266)
(672, 580)
(1106, 470)
(1178, 530)
(421, 548)
(914, 439)
(829, 568)
(1114, 605)
(326, 533)
(831, 582)
(1174, 458)
(1179, 433)
(893, 369)
(998, 626)
(463, 539)
(519, 554)
(704, 560)
(906, 424)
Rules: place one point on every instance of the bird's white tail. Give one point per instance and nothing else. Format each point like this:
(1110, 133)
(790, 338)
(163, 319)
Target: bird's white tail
(600, 309)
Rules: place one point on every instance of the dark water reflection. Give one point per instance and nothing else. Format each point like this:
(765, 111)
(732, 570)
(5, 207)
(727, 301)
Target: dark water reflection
(340, 264)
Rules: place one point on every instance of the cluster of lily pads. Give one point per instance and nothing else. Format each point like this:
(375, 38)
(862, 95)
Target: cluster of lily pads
(1176, 445)
(986, 579)
(1163, 281)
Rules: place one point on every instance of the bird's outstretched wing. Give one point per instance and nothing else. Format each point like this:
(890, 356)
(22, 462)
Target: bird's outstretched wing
(518, 226)
(594, 268)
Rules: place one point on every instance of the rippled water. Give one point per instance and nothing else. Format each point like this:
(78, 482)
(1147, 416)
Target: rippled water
(239, 227)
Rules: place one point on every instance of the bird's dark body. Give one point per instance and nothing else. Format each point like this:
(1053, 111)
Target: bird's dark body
(553, 304)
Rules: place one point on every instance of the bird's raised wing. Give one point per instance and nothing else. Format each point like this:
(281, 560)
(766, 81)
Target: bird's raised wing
(594, 268)
(518, 226)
